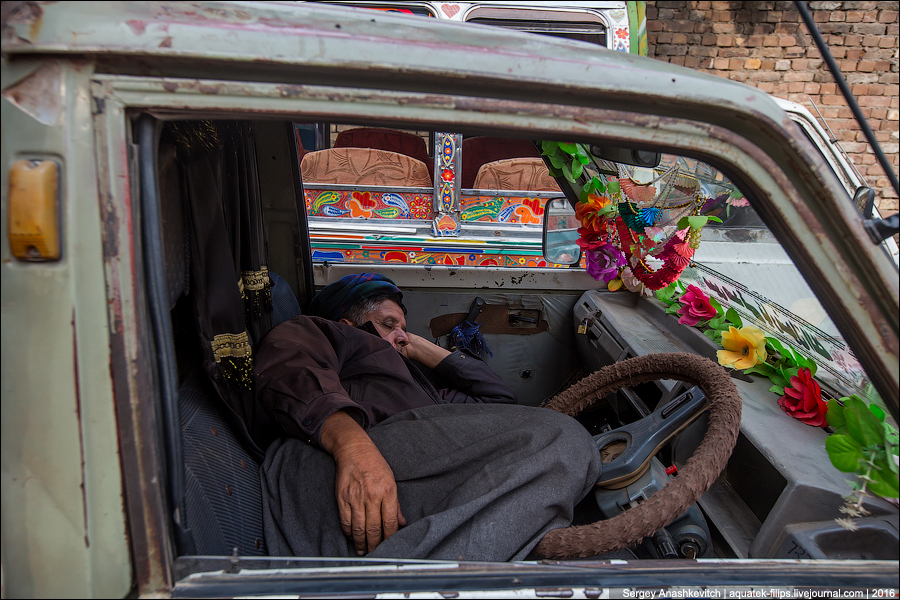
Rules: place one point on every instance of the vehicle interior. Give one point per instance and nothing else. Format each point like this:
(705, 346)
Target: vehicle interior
(232, 207)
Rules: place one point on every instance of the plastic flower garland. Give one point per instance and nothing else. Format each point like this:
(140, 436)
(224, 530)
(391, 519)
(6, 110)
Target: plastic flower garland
(638, 220)
(862, 443)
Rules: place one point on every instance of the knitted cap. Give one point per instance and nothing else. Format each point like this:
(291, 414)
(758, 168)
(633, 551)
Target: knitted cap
(335, 299)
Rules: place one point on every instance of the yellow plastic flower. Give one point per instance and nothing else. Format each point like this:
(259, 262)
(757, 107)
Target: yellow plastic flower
(744, 347)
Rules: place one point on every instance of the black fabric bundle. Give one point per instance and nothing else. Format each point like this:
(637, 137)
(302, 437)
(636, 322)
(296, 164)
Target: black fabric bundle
(230, 285)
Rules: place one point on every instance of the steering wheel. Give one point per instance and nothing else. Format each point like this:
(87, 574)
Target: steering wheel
(643, 438)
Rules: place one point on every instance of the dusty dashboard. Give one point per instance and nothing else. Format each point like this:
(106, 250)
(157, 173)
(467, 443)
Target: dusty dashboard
(778, 495)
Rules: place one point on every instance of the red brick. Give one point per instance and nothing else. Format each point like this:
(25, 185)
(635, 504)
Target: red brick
(871, 40)
(770, 40)
(787, 40)
(887, 16)
(735, 64)
(847, 66)
(837, 15)
(725, 40)
(866, 66)
(875, 101)
(832, 100)
(887, 42)
(708, 39)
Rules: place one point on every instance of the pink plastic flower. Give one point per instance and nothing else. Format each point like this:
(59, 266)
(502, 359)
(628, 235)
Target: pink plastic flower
(696, 307)
(803, 400)
(604, 262)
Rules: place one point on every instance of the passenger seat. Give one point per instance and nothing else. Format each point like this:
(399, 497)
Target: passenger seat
(222, 489)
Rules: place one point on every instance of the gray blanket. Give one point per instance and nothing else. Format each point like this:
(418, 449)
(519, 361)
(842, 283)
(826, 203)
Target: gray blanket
(475, 482)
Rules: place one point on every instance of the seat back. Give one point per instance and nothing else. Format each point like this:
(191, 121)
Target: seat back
(477, 151)
(516, 174)
(383, 139)
(223, 498)
(364, 166)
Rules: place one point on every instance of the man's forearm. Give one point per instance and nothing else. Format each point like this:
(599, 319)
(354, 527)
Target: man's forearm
(340, 431)
(425, 352)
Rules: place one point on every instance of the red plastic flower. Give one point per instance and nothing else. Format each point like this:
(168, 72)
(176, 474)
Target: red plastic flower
(590, 239)
(803, 400)
(696, 307)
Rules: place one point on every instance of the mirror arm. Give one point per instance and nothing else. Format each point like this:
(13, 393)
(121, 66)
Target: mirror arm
(880, 229)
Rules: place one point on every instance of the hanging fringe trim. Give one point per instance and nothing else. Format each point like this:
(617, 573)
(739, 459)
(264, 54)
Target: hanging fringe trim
(256, 289)
(234, 359)
(466, 335)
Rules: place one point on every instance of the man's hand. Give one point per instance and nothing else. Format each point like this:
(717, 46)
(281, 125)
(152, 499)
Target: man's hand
(423, 351)
(365, 489)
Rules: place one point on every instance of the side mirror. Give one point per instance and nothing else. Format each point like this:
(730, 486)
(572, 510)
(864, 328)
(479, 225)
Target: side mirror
(864, 200)
(560, 236)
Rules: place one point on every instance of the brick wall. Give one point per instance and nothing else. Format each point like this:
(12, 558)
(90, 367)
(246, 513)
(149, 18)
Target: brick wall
(766, 45)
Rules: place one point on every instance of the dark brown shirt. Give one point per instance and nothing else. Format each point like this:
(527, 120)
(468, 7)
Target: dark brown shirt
(308, 368)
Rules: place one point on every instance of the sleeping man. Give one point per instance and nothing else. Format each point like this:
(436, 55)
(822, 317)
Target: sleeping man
(391, 446)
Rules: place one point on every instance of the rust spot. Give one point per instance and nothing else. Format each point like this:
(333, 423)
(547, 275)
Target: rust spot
(257, 543)
(138, 27)
(166, 43)
(170, 86)
(228, 489)
(214, 431)
(243, 464)
(212, 90)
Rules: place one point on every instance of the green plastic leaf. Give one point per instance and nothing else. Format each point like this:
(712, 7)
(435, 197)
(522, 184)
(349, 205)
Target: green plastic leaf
(779, 381)
(712, 218)
(719, 323)
(844, 452)
(577, 168)
(581, 154)
(884, 480)
(697, 221)
(555, 171)
(788, 373)
(683, 223)
(599, 186)
(613, 187)
(557, 161)
(665, 294)
(760, 369)
(711, 333)
(776, 345)
(567, 173)
(777, 390)
(673, 308)
(548, 148)
(835, 416)
(862, 425)
(735, 319)
(568, 147)
(736, 193)
(876, 410)
(715, 304)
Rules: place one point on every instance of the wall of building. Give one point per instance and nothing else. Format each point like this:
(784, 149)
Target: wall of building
(766, 45)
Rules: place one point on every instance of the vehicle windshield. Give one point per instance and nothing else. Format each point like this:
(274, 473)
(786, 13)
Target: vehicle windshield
(737, 261)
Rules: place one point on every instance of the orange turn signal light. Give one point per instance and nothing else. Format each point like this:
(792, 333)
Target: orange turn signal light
(34, 210)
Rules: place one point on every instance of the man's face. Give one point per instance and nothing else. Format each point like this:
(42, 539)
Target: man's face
(390, 323)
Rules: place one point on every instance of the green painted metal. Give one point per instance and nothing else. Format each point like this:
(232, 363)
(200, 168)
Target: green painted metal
(637, 27)
(63, 522)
